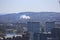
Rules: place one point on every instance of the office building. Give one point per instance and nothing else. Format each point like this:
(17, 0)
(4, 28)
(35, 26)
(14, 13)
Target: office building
(49, 26)
(56, 33)
(33, 27)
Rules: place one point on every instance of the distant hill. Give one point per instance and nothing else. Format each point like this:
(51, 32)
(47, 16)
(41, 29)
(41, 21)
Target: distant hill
(35, 16)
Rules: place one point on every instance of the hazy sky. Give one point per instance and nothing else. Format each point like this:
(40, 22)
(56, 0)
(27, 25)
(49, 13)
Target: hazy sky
(12, 6)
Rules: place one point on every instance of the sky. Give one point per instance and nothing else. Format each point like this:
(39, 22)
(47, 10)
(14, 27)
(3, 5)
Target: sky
(15, 6)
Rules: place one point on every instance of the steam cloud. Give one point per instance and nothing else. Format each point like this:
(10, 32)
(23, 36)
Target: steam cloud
(24, 17)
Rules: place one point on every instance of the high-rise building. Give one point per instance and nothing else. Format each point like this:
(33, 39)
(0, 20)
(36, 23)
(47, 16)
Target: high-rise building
(41, 36)
(36, 36)
(56, 33)
(25, 36)
(33, 27)
(49, 26)
(57, 24)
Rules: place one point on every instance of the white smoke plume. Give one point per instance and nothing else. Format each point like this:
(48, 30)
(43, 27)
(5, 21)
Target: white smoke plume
(24, 17)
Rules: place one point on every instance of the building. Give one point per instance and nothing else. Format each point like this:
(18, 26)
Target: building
(57, 23)
(56, 33)
(36, 36)
(25, 36)
(49, 26)
(33, 27)
(41, 36)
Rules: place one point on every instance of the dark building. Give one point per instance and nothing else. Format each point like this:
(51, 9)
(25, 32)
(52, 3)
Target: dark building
(57, 23)
(25, 36)
(41, 36)
(49, 26)
(33, 27)
(56, 33)
(36, 36)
